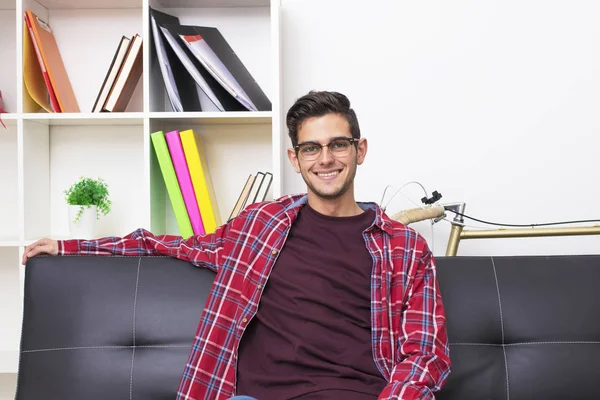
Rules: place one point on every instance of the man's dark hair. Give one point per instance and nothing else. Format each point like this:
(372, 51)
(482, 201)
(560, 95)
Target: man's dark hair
(317, 104)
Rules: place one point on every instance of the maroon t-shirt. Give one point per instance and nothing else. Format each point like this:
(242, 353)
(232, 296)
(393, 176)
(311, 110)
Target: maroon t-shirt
(311, 336)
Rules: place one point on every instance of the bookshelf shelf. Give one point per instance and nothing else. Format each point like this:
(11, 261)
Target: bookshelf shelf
(86, 119)
(42, 154)
(235, 118)
(89, 4)
(213, 3)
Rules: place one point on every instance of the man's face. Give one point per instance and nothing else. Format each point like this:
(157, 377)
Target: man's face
(328, 176)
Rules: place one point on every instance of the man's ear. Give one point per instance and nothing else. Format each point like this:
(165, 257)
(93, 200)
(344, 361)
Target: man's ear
(293, 159)
(361, 151)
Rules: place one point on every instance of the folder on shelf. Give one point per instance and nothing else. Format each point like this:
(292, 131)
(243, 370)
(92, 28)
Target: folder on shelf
(111, 74)
(185, 182)
(51, 62)
(170, 177)
(214, 94)
(36, 83)
(208, 46)
(180, 85)
(201, 180)
(127, 78)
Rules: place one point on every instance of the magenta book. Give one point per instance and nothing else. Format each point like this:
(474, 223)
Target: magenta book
(185, 181)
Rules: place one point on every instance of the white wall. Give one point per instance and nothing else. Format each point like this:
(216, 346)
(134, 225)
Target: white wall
(495, 103)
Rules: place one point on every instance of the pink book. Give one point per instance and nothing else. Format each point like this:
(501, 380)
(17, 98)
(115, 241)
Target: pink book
(185, 181)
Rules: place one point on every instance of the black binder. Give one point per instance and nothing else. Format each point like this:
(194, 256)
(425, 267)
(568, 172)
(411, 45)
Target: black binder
(215, 40)
(228, 102)
(186, 86)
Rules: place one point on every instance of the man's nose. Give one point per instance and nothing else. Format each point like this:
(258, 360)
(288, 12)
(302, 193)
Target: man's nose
(325, 157)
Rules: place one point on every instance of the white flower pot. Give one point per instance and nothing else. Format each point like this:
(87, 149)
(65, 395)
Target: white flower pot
(85, 227)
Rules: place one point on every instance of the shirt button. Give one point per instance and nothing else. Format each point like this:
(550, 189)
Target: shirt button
(244, 320)
(259, 286)
(274, 252)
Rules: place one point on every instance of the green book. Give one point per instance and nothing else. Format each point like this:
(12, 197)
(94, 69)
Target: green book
(168, 171)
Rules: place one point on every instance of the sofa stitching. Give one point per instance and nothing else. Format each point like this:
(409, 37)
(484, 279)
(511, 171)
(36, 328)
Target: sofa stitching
(158, 346)
(502, 328)
(137, 281)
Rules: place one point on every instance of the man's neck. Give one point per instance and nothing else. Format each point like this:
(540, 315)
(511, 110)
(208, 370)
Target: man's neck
(340, 207)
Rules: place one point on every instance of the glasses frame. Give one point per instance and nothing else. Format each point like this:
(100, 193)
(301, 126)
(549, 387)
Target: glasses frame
(351, 140)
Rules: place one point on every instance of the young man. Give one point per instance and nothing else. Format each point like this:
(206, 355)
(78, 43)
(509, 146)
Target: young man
(316, 296)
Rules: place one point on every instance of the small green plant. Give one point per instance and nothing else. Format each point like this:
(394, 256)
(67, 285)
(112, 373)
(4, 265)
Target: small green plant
(87, 192)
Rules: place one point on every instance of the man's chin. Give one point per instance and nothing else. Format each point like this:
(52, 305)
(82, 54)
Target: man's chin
(331, 194)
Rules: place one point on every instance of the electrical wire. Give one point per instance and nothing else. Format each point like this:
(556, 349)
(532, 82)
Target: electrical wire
(409, 199)
(583, 221)
(396, 192)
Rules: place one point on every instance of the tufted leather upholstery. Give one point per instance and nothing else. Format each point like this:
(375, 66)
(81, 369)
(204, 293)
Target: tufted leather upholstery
(105, 327)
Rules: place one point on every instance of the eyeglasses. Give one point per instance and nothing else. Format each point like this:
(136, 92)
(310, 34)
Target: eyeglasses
(338, 147)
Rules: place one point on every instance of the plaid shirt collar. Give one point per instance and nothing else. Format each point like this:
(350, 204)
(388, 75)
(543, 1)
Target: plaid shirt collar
(294, 203)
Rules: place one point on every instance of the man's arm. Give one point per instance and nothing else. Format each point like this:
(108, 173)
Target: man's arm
(199, 250)
(424, 363)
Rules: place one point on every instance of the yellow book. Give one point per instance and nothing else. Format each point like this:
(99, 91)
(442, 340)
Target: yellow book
(203, 187)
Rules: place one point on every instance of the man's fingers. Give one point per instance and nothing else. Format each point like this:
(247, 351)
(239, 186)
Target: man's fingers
(39, 247)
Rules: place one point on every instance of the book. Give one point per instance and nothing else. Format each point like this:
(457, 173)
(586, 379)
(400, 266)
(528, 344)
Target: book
(239, 204)
(170, 178)
(127, 78)
(201, 180)
(111, 74)
(251, 198)
(185, 182)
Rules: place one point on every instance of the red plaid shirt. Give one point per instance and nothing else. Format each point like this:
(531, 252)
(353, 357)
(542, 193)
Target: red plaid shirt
(409, 339)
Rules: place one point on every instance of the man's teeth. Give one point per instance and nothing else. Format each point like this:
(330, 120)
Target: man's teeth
(334, 173)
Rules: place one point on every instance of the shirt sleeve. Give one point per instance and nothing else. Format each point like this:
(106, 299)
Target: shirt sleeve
(424, 363)
(200, 250)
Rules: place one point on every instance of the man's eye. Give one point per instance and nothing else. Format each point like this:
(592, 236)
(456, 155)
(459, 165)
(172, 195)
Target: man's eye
(342, 144)
(310, 149)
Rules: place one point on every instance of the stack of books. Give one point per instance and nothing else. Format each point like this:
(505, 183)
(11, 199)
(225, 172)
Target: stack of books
(122, 76)
(182, 160)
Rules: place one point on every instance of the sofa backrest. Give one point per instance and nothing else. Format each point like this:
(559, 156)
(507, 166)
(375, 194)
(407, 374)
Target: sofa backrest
(106, 327)
(522, 327)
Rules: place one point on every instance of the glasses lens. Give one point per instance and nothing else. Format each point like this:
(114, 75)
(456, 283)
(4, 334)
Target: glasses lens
(340, 147)
(309, 151)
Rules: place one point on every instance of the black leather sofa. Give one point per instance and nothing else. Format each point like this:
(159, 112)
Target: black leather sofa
(109, 327)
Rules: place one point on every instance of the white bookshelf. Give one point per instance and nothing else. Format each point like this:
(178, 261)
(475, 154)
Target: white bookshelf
(42, 154)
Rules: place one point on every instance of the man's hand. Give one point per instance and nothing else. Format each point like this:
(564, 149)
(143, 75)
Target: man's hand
(42, 246)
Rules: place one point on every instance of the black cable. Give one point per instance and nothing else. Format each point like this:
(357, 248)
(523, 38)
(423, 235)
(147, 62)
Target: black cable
(527, 226)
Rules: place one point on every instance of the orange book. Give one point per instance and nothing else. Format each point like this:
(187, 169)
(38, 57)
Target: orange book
(52, 61)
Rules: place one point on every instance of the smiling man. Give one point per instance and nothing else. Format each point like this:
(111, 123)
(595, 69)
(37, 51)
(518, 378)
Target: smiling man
(316, 296)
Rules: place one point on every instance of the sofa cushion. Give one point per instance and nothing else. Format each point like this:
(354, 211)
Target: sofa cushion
(522, 327)
(107, 327)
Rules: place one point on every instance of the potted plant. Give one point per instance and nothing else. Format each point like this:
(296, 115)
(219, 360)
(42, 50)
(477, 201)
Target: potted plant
(87, 199)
